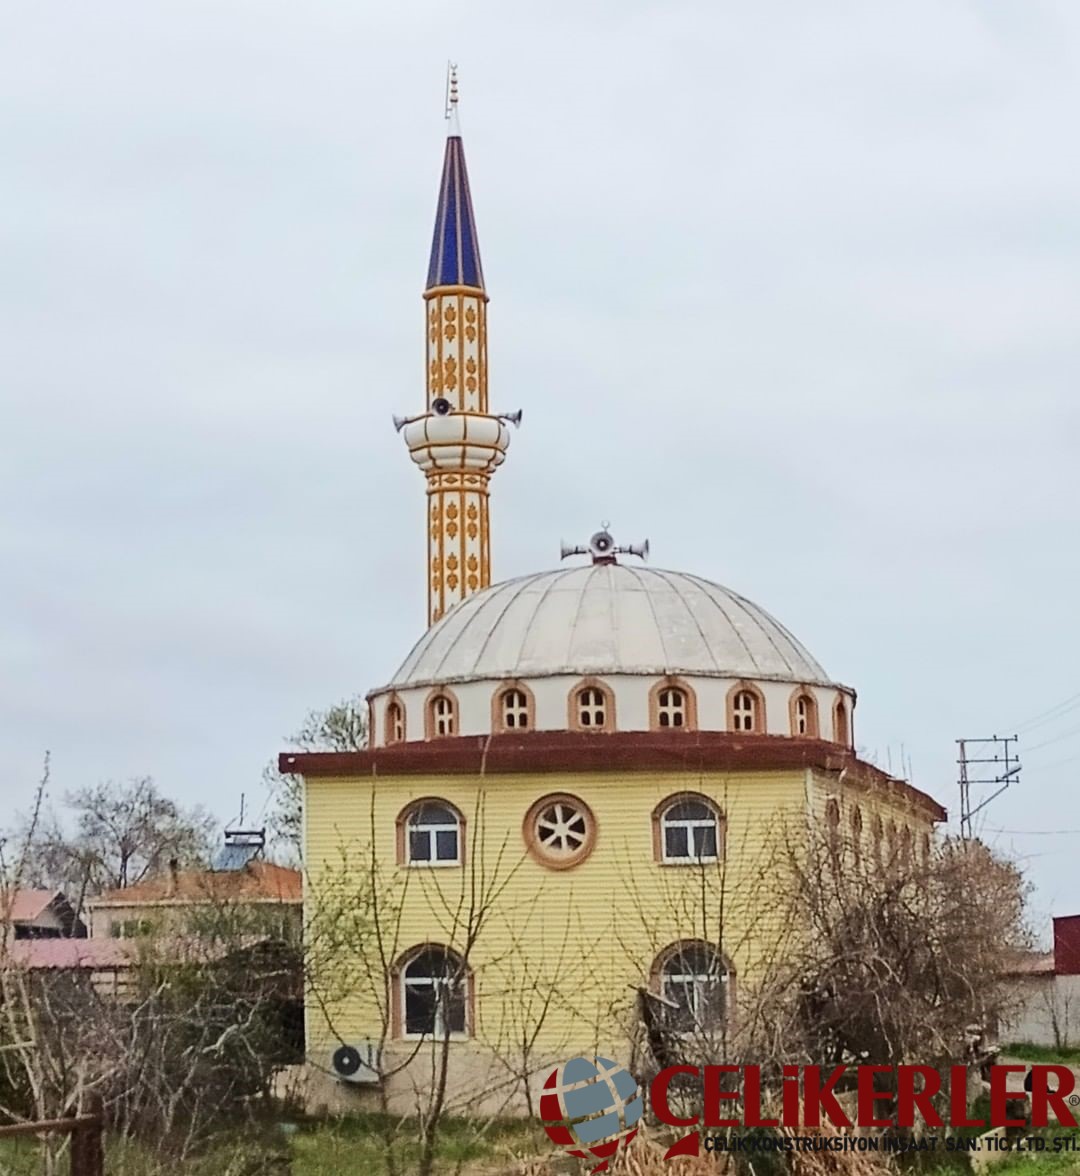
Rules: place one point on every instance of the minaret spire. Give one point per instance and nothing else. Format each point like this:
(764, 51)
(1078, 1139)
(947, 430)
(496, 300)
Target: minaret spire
(457, 442)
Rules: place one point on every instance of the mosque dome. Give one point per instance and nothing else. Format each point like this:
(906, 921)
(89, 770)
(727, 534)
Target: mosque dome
(606, 619)
(631, 636)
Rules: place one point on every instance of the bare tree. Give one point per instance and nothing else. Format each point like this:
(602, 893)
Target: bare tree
(1058, 1005)
(181, 1041)
(897, 964)
(111, 836)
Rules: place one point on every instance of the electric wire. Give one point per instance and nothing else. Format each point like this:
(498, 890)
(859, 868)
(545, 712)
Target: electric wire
(1047, 716)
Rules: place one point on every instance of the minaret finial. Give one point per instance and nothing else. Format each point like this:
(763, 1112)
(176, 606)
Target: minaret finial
(452, 100)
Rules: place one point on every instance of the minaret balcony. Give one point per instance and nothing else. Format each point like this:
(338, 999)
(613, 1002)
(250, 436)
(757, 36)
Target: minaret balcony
(457, 441)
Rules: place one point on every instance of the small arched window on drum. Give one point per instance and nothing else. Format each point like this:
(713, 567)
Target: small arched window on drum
(592, 708)
(671, 707)
(515, 710)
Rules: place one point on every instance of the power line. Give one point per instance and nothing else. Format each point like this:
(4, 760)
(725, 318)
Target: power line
(1069, 759)
(1036, 832)
(1047, 716)
(1055, 739)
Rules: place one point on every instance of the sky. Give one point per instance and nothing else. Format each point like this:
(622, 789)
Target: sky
(792, 290)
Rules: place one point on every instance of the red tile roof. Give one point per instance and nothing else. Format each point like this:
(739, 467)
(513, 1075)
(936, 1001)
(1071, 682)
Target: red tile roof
(28, 905)
(257, 882)
(95, 954)
(1030, 963)
(676, 749)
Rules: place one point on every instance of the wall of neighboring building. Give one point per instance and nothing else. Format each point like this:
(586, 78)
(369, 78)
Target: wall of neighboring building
(1047, 1011)
(129, 920)
(1067, 945)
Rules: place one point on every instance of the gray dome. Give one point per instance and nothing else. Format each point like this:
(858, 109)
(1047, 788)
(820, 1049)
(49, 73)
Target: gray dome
(606, 619)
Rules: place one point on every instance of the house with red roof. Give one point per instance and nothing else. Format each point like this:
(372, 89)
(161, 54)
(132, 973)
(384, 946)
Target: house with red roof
(38, 914)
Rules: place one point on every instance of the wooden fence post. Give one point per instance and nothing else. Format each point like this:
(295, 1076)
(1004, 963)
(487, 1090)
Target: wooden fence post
(88, 1142)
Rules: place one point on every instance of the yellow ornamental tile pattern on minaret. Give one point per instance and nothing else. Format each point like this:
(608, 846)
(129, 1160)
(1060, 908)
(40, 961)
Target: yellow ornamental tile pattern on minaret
(458, 543)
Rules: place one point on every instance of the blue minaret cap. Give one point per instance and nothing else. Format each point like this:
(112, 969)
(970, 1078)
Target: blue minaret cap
(455, 252)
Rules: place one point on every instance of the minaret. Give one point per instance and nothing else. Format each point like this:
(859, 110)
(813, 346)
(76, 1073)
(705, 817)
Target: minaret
(456, 441)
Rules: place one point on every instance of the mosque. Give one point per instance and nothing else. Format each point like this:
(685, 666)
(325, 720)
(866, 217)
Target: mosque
(578, 785)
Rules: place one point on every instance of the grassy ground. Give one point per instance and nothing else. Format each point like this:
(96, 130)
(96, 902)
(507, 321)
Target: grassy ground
(357, 1145)
(1042, 1053)
(1045, 1163)
(345, 1147)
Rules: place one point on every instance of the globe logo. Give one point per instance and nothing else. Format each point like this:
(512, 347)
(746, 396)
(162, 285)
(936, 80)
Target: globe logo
(591, 1107)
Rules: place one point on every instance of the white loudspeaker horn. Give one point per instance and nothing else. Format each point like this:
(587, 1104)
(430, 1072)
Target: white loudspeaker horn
(639, 549)
(400, 422)
(513, 417)
(565, 549)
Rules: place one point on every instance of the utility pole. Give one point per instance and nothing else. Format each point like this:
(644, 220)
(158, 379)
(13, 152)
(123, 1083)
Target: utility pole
(995, 762)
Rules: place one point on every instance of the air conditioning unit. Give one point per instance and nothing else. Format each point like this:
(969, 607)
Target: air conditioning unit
(356, 1063)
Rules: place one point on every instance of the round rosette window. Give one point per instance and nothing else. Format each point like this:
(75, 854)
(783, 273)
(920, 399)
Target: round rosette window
(560, 830)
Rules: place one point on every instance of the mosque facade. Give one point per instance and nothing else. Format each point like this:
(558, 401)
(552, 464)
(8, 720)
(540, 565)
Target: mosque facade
(578, 789)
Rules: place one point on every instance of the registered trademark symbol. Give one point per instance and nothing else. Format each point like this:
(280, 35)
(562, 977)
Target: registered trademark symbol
(1074, 1100)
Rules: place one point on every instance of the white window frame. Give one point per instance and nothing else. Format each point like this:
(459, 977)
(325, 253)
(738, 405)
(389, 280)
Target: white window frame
(439, 1029)
(671, 709)
(696, 983)
(744, 718)
(442, 716)
(432, 830)
(395, 725)
(804, 709)
(513, 708)
(586, 705)
(692, 858)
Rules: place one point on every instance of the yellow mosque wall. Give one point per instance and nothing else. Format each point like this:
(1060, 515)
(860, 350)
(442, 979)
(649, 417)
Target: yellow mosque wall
(555, 955)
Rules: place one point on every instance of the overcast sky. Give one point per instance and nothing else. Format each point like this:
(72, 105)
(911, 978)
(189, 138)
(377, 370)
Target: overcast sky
(791, 289)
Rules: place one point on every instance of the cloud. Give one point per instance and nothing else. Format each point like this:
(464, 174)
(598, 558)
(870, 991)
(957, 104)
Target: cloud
(792, 290)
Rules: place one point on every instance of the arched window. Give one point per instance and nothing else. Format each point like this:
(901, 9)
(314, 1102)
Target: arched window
(892, 844)
(434, 994)
(907, 848)
(395, 722)
(592, 707)
(856, 834)
(841, 726)
(592, 711)
(694, 978)
(746, 708)
(442, 715)
(832, 826)
(804, 717)
(672, 704)
(514, 709)
(671, 707)
(690, 831)
(432, 835)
